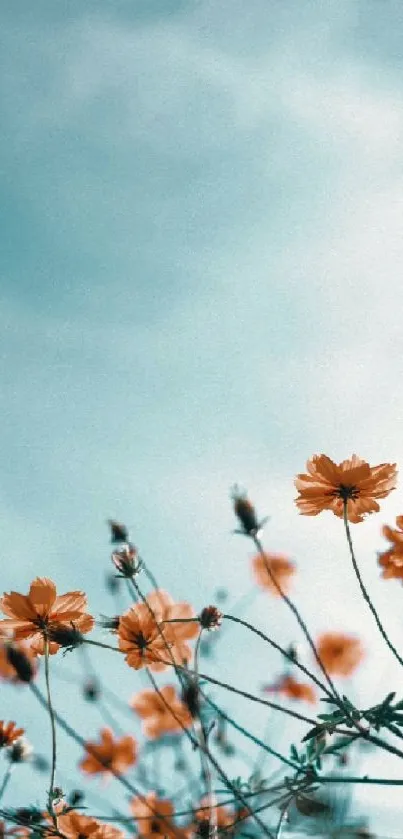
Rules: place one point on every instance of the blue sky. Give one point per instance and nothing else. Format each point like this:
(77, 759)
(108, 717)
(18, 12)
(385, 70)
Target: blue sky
(200, 284)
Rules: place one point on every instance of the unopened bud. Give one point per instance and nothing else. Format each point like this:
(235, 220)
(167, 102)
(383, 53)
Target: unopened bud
(127, 561)
(22, 665)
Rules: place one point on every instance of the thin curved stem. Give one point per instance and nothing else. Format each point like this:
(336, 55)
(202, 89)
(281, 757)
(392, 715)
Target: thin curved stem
(297, 615)
(364, 590)
(7, 776)
(277, 647)
(53, 730)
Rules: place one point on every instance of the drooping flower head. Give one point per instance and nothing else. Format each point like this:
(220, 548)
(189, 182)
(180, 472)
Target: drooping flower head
(161, 714)
(292, 689)
(110, 755)
(340, 654)
(391, 561)
(34, 615)
(328, 486)
(281, 568)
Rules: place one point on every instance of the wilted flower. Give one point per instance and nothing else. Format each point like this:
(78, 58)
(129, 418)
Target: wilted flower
(354, 482)
(210, 618)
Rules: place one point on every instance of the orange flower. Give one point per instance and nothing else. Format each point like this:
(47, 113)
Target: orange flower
(141, 640)
(328, 486)
(154, 818)
(392, 560)
(41, 610)
(183, 626)
(288, 686)
(224, 819)
(148, 637)
(157, 718)
(74, 825)
(17, 831)
(9, 733)
(340, 654)
(281, 567)
(109, 755)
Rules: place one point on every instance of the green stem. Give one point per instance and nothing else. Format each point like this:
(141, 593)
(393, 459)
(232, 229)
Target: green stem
(6, 779)
(277, 647)
(364, 590)
(297, 615)
(53, 730)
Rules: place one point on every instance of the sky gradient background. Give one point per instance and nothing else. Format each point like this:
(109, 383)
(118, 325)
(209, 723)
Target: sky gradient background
(201, 283)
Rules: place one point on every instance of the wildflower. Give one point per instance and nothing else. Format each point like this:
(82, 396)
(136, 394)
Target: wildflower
(179, 623)
(9, 733)
(157, 710)
(329, 486)
(292, 689)
(340, 654)
(210, 618)
(392, 560)
(34, 615)
(141, 639)
(281, 568)
(246, 513)
(127, 561)
(74, 825)
(109, 755)
(17, 663)
(222, 816)
(154, 818)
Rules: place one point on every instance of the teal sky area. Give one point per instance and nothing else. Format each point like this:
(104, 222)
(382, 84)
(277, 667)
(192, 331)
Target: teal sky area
(201, 284)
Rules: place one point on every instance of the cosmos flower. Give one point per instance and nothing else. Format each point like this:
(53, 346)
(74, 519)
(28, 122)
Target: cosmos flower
(41, 610)
(74, 825)
(289, 687)
(183, 628)
(9, 733)
(391, 561)
(280, 566)
(154, 818)
(154, 633)
(340, 654)
(156, 716)
(109, 756)
(328, 486)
